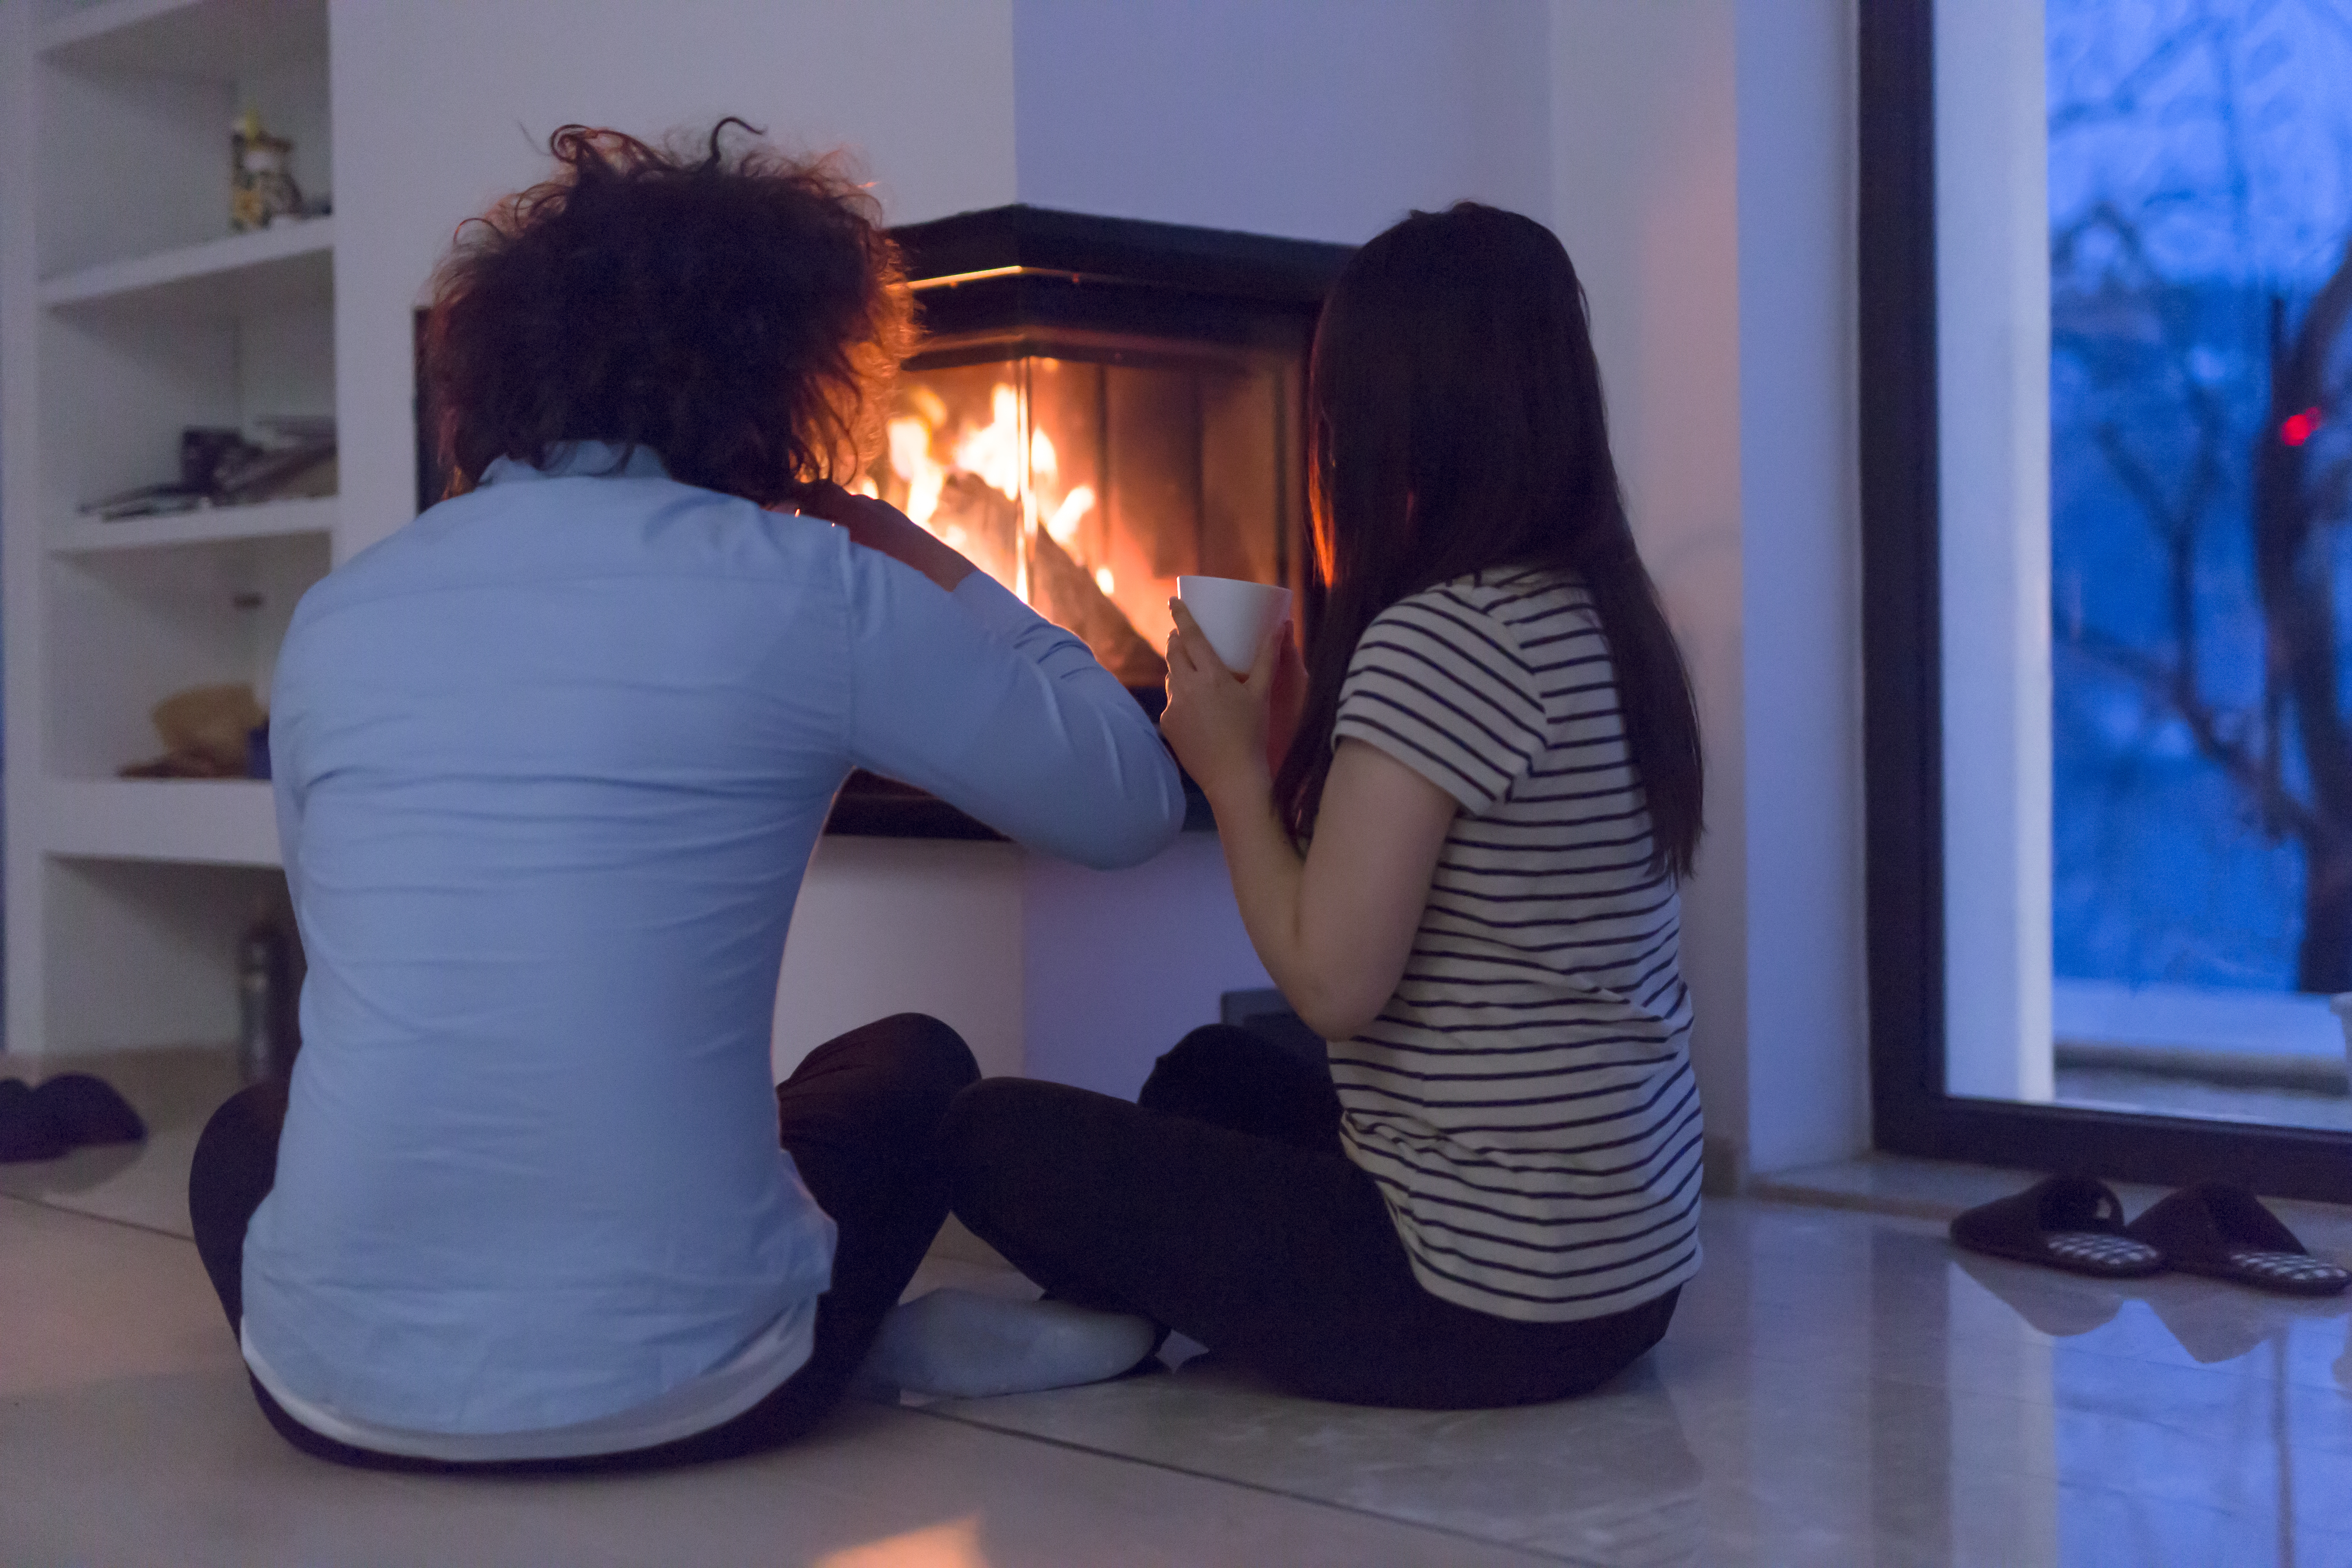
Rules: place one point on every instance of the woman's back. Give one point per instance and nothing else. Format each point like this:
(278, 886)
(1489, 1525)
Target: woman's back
(1524, 1098)
(1462, 875)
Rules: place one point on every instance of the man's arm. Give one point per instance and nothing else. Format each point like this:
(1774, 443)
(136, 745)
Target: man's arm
(975, 696)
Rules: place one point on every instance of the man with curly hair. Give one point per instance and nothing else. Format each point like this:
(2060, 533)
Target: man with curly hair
(550, 763)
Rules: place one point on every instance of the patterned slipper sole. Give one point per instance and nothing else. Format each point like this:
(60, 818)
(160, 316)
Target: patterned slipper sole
(2115, 1255)
(2221, 1231)
(2289, 1273)
(2071, 1222)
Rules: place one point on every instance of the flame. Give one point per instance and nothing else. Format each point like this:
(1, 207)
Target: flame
(993, 451)
(1063, 524)
(911, 460)
(938, 453)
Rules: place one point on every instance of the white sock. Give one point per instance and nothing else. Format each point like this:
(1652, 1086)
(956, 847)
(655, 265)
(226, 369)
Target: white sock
(962, 1344)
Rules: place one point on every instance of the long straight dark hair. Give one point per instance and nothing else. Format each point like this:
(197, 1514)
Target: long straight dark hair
(1456, 424)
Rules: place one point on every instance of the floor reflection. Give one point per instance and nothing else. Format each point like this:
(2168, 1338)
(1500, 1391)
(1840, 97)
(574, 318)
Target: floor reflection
(1837, 1388)
(1608, 1478)
(2223, 1402)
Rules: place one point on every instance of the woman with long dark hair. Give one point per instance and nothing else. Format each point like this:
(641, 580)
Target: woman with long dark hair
(1464, 876)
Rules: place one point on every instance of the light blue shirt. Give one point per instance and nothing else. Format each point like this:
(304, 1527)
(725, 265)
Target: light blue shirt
(551, 763)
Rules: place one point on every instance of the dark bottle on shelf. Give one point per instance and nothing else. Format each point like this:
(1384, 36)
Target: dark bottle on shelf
(269, 1000)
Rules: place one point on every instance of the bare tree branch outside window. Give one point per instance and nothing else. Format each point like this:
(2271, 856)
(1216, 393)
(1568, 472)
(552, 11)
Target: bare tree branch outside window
(2202, 393)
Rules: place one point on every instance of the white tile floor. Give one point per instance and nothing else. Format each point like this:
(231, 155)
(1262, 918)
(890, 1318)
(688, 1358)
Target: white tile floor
(1839, 1387)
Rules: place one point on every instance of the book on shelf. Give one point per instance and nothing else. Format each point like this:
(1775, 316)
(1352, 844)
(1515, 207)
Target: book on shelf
(293, 461)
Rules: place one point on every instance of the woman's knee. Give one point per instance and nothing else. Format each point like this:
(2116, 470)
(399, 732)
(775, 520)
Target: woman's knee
(983, 1129)
(1011, 1137)
(1210, 1056)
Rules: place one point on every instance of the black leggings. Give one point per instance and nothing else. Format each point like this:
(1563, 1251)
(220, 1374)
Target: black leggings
(1221, 1207)
(860, 1117)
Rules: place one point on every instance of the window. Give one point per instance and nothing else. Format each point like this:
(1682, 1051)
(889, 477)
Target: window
(2108, 451)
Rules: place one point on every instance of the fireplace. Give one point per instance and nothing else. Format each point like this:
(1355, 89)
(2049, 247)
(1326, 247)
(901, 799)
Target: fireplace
(1100, 406)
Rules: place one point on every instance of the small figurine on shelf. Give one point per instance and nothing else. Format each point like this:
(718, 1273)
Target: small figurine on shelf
(207, 733)
(261, 183)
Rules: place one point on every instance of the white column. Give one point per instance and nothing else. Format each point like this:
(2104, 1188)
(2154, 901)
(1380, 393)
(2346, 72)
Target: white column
(1801, 531)
(1992, 262)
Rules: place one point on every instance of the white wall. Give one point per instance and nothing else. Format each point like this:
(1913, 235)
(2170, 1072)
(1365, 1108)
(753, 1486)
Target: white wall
(1316, 118)
(1703, 164)
(895, 925)
(1120, 964)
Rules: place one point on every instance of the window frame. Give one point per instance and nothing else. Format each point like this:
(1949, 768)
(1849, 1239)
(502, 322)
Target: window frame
(1911, 1114)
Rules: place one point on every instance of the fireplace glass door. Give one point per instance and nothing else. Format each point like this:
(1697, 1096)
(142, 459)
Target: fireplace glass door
(1087, 472)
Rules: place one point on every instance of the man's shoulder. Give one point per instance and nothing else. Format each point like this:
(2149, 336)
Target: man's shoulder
(524, 536)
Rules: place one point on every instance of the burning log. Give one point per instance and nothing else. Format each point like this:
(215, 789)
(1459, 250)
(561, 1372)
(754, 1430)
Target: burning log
(1068, 596)
(985, 524)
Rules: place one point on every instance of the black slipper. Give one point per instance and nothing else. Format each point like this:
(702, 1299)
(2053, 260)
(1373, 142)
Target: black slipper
(27, 1131)
(89, 1110)
(2223, 1232)
(2072, 1223)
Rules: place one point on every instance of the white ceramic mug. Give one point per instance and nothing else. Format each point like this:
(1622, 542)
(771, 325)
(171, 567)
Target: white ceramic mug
(1236, 616)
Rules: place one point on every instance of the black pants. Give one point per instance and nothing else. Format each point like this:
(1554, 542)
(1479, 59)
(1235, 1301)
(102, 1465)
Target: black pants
(859, 1116)
(1223, 1206)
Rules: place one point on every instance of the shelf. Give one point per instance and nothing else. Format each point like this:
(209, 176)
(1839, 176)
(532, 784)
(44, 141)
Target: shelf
(270, 268)
(218, 822)
(215, 525)
(212, 39)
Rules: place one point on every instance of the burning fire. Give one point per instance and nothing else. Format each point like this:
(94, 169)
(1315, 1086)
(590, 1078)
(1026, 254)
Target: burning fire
(967, 482)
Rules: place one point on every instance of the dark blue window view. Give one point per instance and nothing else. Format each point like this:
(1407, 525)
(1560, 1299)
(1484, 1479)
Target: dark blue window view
(2201, 205)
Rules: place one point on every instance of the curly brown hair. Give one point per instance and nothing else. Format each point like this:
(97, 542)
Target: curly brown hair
(735, 310)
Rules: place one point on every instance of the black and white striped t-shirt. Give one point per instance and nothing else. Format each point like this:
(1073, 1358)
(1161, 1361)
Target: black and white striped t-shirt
(1524, 1101)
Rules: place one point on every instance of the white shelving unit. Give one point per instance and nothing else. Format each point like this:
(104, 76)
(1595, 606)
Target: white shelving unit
(127, 312)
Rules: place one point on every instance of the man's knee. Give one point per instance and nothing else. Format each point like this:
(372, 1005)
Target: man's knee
(933, 1049)
(237, 1154)
(919, 1050)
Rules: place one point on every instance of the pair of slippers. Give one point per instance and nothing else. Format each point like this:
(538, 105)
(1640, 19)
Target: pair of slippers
(2214, 1228)
(66, 1112)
